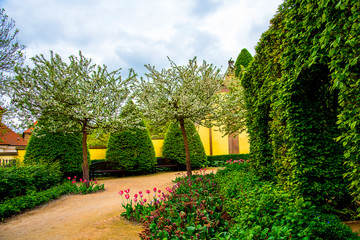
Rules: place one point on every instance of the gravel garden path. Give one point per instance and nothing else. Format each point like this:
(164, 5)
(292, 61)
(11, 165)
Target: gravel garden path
(89, 217)
(92, 216)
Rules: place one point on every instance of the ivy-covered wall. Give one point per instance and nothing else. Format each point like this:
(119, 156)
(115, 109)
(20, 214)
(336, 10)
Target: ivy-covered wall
(303, 100)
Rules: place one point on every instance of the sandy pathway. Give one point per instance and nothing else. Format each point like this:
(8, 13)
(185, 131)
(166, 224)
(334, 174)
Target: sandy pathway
(92, 216)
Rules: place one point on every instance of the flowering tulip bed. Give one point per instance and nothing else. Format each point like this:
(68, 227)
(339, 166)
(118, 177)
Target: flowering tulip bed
(232, 204)
(191, 209)
(81, 188)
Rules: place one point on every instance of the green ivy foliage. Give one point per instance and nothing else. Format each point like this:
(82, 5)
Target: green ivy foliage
(47, 147)
(132, 149)
(301, 93)
(244, 58)
(174, 148)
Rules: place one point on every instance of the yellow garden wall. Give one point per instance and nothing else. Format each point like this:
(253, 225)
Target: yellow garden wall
(219, 145)
(97, 153)
(244, 145)
(158, 143)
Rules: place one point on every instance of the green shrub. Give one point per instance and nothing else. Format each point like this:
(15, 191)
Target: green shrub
(132, 149)
(262, 210)
(20, 180)
(243, 59)
(16, 205)
(50, 147)
(174, 148)
(220, 160)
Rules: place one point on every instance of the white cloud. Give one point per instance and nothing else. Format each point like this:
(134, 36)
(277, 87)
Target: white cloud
(121, 33)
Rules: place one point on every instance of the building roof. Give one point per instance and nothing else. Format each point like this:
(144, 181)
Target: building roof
(31, 129)
(9, 137)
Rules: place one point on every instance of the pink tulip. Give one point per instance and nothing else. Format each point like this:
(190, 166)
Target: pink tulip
(84, 180)
(127, 196)
(145, 200)
(154, 189)
(69, 178)
(127, 190)
(159, 191)
(140, 192)
(135, 196)
(121, 192)
(141, 195)
(95, 182)
(75, 177)
(74, 182)
(135, 199)
(80, 179)
(147, 191)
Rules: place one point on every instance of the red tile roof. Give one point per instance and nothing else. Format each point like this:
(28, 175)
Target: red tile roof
(9, 137)
(30, 130)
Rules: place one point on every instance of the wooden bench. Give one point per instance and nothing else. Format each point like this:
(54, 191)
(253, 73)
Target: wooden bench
(166, 163)
(105, 167)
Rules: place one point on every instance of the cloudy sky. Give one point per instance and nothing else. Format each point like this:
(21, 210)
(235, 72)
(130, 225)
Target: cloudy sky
(130, 33)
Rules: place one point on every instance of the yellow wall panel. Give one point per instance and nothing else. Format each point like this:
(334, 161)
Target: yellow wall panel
(244, 145)
(205, 138)
(97, 153)
(158, 143)
(220, 143)
(21, 154)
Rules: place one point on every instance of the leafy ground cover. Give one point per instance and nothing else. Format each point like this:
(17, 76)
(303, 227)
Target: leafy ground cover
(25, 187)
(232, 204)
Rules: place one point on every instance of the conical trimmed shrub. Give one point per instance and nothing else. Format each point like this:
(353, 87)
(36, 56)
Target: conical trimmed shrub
(132, 149)
(49, 147)
(243, 59)
(174, 147)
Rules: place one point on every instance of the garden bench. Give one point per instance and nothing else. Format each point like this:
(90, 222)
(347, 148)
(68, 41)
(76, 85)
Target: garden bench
(105, 167)
(166, 163)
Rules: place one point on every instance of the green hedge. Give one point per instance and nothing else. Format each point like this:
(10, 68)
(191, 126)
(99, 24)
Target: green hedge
(19, 180)
(50, 147)
(262, 210)
(18, 204)
(302, 101)
(132, 149)
(220, 160)
(174, 147)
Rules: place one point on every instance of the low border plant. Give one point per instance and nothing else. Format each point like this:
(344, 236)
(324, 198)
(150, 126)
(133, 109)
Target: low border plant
(81, 188)
(263, 210)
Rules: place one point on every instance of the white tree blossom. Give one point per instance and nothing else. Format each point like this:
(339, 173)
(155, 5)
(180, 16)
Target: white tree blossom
(71, 97)
(180, 93)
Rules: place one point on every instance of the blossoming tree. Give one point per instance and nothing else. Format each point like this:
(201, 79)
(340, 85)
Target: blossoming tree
(71, 97)
(180, 93)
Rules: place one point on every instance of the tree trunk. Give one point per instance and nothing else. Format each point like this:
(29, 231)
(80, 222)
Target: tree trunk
(187, 152)
(85, 165)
